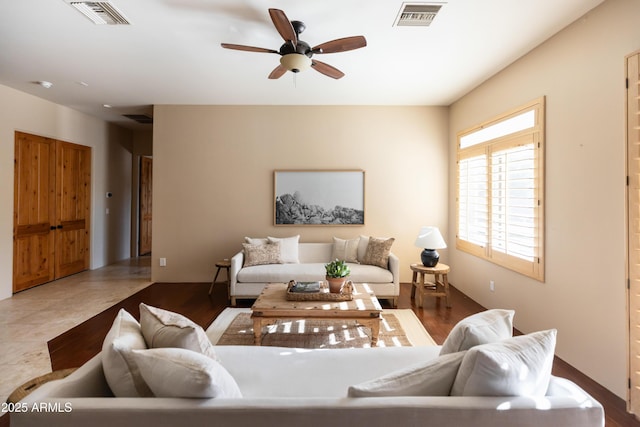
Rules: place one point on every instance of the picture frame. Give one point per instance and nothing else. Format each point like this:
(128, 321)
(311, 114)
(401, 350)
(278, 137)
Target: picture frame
(319, 197)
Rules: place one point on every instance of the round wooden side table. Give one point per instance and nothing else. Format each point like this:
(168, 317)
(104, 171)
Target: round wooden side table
(438, 288)
(224, 264)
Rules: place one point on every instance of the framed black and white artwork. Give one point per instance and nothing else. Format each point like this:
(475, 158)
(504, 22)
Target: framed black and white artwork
(319, 197)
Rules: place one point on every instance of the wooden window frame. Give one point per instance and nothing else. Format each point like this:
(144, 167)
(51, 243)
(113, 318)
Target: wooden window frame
(532, 136)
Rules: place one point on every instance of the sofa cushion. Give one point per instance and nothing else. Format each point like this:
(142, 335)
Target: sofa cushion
(282, 273)
(345, 250)
(308, 373)
(432, 378)
(288, 248)
(362, 273)
(120, 369)
(163, 328)
(176, 372)
(480, 328)
(260, 254)
(518, 366)
(378, 252)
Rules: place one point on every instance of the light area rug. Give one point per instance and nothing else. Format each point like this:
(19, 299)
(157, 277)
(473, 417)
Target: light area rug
(399, 328)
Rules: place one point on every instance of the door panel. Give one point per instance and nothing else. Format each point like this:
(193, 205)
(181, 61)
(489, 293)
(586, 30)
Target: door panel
(34, 211)
(52, 189)
(73, 191)
(146, 172)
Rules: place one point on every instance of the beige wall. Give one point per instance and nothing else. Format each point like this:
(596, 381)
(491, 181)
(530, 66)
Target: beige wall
(111, 172)
(581, 73)
(213, 176)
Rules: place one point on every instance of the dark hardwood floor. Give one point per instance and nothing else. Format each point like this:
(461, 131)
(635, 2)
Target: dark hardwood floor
(79, 344)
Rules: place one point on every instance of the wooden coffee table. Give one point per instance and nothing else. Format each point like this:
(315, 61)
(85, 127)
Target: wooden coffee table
(272, 305)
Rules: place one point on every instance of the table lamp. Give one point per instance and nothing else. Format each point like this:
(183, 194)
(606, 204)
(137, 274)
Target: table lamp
(430, 239)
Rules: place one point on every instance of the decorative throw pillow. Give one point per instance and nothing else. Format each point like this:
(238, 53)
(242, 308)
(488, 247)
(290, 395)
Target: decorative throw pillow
(345, 250)
(378, 252)
(518, 366)
(362, 247)
(256, 240)
(432, 378)
(120, 369)
(176, 372)
(481, 328)
(261, 254)
(163, 328)
(288, 248)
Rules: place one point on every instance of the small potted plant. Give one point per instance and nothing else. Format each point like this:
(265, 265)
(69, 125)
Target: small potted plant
(337, 273)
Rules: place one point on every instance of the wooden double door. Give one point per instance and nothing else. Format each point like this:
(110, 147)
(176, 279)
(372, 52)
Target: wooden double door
(52, 204)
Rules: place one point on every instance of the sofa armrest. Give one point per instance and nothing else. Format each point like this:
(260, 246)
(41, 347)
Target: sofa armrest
(86, 381)
(236, 265)
(394, 268)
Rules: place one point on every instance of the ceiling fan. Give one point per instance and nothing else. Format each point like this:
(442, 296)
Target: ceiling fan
(296, 55)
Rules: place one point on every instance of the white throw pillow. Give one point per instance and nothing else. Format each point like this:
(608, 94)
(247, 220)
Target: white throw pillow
(432, 378)
(163, 328)
(481, 328)
(256, 240)
(120, 370)
(345, 250)
(176, 372)
(288, 248)
(362, 247)
(518, 366)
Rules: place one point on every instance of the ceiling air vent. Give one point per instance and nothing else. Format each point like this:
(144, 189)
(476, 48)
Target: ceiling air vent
(140, 118)
(100, 12)
(417, 14)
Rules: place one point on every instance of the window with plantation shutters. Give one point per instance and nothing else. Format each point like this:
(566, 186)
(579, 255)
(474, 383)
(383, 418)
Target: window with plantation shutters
(472, 199)
(500, 188)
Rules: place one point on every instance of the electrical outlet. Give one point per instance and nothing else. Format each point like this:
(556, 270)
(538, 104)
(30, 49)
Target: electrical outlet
(492, 286)
(163, 262)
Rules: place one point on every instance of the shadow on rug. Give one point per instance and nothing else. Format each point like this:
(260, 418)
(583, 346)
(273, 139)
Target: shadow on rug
(312, 333)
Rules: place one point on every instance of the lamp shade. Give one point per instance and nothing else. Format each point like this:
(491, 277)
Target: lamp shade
(430, 238)
(295, 62)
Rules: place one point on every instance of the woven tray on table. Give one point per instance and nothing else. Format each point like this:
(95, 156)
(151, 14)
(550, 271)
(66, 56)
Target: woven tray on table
(322, 295)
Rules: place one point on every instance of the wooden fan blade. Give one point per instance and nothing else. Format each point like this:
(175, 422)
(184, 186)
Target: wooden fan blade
(283, 25)
(247, 48)
(277, 72)
(341, 45)
(327, 69)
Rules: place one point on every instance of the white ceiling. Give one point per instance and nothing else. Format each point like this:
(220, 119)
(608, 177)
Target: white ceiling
(171, 53)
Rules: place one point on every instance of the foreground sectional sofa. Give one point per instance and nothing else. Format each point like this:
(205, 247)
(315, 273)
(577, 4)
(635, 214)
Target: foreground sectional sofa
(287, 387)
(305, 262)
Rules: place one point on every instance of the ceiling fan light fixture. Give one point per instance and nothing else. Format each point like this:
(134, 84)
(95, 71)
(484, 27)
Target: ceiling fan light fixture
(295, 62)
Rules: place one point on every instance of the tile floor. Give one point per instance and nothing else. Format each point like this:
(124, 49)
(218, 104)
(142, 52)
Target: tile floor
(31, 318)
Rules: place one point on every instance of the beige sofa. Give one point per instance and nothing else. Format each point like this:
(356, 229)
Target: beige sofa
(480, 377)
(248, 282)
(292, 388)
